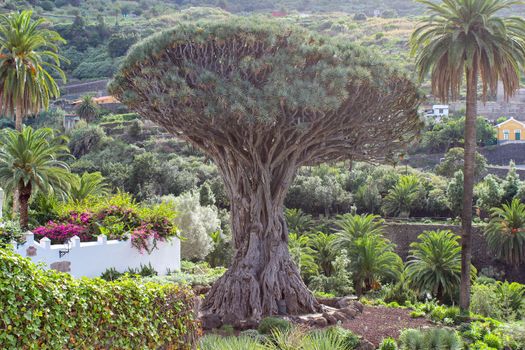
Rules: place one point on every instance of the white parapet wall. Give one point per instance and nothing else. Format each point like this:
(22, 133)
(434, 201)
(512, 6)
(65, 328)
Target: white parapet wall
(91, 259)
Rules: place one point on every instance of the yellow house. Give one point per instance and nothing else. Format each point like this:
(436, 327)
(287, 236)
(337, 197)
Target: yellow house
(510, 130)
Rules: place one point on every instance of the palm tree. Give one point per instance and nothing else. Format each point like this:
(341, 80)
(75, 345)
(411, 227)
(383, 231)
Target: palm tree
(402, 198)
(28, 56)
(372, 256)
(30, 161)
(298, 221)
(351, 226)
(467, 38)
(88, 185)
(87, 109)
(302, 254)
(505, 232)
(434, 265)
(324, 254)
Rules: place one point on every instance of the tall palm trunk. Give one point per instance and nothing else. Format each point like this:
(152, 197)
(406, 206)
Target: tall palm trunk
(19, 117)
(24, 193)
(468, 185)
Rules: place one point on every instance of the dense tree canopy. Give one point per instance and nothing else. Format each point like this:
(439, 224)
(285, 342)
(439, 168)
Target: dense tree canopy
(261, 100)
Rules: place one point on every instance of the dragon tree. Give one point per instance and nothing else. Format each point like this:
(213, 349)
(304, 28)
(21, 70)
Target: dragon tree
(262, 99)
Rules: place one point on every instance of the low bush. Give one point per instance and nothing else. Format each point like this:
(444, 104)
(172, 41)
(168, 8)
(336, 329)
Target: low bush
(500, 300)
(447, 315)
(192, 274)
(388, 344)
(271, 324)
(51, 310)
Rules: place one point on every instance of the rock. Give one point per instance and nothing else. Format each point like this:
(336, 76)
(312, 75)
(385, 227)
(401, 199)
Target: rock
(320, 322)
(249, 323)
(359, 306)
(350, 311)
(344, 302)
(332, 302)
(231, 319)
(365, 345)
(340, 316)
(211, 321)
(330, 318)
(201, 289)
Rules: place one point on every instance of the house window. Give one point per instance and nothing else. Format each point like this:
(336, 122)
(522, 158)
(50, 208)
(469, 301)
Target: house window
(506, 134)
(441, 111)
(517, 134)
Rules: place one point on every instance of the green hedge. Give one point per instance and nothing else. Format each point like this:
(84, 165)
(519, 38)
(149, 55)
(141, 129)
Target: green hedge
(51, 310)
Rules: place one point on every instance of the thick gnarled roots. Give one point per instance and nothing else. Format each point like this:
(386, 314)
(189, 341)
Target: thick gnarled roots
(278, 290)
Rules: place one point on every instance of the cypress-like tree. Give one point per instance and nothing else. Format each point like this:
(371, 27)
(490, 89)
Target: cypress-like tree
(262, 99)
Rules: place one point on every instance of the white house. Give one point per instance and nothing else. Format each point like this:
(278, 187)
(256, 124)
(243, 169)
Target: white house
(437, 111)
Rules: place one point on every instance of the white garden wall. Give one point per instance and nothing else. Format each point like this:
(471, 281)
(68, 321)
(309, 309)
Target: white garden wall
(91, 259)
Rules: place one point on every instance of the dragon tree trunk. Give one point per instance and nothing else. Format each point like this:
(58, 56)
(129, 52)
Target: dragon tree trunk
(262, 279)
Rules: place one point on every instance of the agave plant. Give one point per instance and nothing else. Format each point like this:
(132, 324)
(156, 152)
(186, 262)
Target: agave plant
(431, 339)
(435, 264)
(214, 342)
(505, 232)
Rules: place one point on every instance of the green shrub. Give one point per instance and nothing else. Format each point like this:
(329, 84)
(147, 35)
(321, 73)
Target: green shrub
(388, 344)
(447, 315)
(270, 324)
(514, 335)
(484, 300)
(493, 341)
(339, 283)
(51, 310)
(512, 300)
(191, 274)
(399, 293)
(10, 232)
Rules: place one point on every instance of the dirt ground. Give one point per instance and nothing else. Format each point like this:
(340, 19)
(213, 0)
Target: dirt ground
(376, 323)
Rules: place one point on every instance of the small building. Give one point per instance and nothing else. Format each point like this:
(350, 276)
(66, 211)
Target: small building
(102, 100)
(438, 111)
(510, 131)
(279, 14)
(70, 121)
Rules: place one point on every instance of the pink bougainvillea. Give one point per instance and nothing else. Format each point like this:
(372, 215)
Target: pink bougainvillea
(61, 232)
